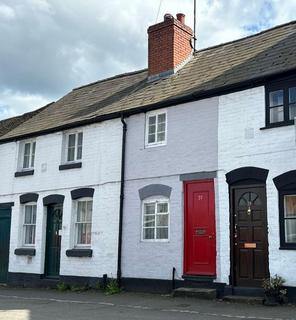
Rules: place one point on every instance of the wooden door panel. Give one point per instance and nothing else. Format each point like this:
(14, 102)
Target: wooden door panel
(53, 241)
(199, 244)
(5, 221)
(250, 252)
(259, 264)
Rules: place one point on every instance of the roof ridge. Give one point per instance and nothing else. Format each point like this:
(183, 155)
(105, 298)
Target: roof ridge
(120, 75)
(247, 37)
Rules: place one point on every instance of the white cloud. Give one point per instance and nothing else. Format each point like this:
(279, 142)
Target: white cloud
(6, 12)
(56, 45)
(14, 103)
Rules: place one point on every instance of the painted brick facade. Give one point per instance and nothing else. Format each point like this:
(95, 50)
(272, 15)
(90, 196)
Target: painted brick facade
(100, 170)
(191, 147)
(242, 143)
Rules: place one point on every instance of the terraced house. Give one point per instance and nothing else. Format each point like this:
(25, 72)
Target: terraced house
(180, 174)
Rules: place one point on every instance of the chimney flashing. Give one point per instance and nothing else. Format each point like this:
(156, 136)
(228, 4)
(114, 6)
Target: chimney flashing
(167, 74)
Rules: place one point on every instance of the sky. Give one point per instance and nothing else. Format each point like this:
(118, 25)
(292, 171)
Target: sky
(49, 47)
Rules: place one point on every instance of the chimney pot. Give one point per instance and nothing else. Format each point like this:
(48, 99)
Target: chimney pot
(181, 17)
(167, 16)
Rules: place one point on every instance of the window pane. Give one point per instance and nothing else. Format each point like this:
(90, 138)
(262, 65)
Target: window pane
(151, 138)
(79, 146)
(71, 147)
(276, 98)
(276, 114)
(162, 233)
(290, 230)
(81, 211)
(161, 127)
(290, 206)
(34, 209)
(292, 111)
(28, 214)
(89, 211)
(162, 220)
(84, 233)
(148, 233)
(161, 118)
(160, 136)
(33, 154)
(26, 162)
(162, 207)
(152, 120)
(29, 235)
(79, 153)
(149, 208)
(152, 129)
(71, 153)
(71, 141)
(292, 95)
(149, 221)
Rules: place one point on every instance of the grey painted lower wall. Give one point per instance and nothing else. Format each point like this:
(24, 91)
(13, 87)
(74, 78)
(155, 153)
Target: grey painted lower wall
(152, 260)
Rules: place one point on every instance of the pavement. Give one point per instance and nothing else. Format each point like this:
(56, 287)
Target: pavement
(42, 304)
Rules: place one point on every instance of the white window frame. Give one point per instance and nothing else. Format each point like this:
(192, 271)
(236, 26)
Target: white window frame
(23, 233)
(156, 114)
(32, 155)
(155, 200)
(75, 223)
(66, 146)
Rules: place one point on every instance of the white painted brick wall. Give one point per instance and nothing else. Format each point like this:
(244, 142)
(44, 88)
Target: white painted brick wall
(101, 165)
(272, 149)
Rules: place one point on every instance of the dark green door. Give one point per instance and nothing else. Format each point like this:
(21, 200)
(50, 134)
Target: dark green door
(5, 219)
(53, 241)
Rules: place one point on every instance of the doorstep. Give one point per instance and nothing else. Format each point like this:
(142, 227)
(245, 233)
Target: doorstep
(200, 293)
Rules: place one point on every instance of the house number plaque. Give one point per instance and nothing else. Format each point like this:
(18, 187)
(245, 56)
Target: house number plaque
(250, 245)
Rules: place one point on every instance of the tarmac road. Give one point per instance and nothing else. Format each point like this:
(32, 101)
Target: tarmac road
(32, 304)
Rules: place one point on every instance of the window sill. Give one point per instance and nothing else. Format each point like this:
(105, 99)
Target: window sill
(80, 253)
(25, 252)
(277, 125)
(24, 173)
(68, 166)
(288, 248)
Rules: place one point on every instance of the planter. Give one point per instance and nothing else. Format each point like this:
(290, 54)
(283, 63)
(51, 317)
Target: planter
(271, 300)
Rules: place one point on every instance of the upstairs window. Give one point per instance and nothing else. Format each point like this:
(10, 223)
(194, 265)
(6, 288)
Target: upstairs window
(29, 224)
(74, 147)
(83, 222)
(156, 128)
(27, 155)
(280, 103)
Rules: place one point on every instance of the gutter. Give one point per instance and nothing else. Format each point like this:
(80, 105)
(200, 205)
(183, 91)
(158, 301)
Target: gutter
(119, 258)
(197, 95)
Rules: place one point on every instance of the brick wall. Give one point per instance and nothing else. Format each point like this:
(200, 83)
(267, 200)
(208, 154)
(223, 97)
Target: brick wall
(168, 45)
(100, 170)
(242, 143)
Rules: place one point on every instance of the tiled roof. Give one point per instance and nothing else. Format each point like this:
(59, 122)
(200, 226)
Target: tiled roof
(9, 124)
(262, 55)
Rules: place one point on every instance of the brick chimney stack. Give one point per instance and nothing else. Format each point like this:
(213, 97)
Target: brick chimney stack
(169, 46)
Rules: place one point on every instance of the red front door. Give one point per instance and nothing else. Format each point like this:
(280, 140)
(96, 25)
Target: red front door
(200, 233)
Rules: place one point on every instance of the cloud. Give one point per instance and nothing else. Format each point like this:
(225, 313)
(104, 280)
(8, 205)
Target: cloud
(52, 46)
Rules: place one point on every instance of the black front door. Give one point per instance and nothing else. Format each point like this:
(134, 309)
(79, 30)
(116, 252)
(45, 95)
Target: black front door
(53, 241)
(250, 243)
(5, 220)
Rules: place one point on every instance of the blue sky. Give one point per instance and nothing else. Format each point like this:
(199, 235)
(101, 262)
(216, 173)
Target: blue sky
(51, 46)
